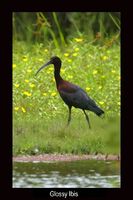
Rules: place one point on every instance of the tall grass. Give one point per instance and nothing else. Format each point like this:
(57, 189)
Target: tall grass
(58, 27)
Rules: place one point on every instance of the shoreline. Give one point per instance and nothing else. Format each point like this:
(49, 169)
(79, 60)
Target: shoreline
(64, 157)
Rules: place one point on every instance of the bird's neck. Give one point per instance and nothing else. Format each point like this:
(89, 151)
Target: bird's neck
(57, 76)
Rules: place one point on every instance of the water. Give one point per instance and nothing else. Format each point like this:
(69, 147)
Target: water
(75, 174)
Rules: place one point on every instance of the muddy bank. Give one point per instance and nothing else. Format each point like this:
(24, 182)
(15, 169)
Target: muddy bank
(65, 157)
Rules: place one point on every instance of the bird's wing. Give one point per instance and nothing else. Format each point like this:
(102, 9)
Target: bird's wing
(77, 97)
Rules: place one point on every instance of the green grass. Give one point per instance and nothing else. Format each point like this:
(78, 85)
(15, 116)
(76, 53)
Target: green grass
(40, 116)
(53, 136)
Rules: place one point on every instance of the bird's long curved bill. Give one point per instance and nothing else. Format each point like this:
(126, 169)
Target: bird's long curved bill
(48, 63)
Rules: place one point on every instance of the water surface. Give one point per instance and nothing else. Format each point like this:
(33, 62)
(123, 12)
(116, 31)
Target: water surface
(75, 174)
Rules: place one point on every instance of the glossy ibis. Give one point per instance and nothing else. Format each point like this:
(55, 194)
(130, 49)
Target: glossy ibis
(72, 94)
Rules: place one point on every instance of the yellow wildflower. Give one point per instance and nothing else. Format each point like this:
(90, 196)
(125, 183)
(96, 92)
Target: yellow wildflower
(100, 87)
(14, 65)
(75, 54)
(44, 94)
(27, 81)
(46, 50)
(66, 54)
(29, 70)
(53, 79)
(50, 69)
(16, 85)
(69, 60)
(101, 102)
(113, 71)
(118, 103)
(27, 93)
(40, 59)
(53, 94)
(78, 39)
(76, 49)
(23, 109)
(88, 88)
(95, 72)
(70, 76)
(25, 59)
(16, 108)
(104, 58)
(32, 85)
(63, 71)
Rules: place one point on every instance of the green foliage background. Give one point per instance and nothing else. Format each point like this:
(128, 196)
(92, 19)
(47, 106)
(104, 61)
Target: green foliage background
(89, 48)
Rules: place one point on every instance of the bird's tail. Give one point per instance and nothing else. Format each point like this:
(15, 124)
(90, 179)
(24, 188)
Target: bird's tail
(98, 111)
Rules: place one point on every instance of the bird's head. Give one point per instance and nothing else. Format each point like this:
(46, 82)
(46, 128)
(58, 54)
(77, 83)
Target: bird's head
(56, 61)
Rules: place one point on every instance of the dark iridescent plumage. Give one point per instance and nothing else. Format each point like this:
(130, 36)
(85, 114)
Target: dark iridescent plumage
(72, 94)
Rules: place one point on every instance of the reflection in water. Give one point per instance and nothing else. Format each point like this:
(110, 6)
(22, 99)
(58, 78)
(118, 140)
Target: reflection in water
(76, 174)
(54, 181)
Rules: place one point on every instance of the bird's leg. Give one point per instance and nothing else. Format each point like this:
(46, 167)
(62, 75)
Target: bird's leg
(87, 118)
(69, 118)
